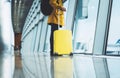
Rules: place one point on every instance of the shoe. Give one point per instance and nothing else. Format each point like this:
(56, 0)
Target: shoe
(71, 54)
(56, 54)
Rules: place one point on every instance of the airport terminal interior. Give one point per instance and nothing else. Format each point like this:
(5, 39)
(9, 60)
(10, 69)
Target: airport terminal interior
(25, 40)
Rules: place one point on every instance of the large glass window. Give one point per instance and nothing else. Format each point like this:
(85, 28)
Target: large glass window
(85, 23)
(113, 47)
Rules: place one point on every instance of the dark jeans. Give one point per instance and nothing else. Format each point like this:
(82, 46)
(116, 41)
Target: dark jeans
(53, 28)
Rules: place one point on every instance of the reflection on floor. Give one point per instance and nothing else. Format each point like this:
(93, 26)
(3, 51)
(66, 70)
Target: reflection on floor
(18, 72)
(38, 65)
(6, 64)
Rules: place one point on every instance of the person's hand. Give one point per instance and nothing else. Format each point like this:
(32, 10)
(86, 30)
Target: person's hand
(63, 9)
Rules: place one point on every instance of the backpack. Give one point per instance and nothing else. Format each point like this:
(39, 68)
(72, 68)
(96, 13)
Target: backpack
(46, 8)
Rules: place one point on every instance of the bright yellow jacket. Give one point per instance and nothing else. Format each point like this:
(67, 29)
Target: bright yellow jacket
(53, 18)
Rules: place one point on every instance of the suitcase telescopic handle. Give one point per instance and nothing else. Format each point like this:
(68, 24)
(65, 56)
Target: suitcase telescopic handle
(58, 18)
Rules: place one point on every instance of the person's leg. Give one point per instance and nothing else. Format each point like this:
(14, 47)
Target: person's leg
(53, 28)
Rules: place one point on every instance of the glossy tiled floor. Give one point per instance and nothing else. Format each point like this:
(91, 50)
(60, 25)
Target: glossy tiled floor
(77, 66)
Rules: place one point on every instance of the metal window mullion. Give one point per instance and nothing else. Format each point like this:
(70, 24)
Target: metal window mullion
(38, 36)
(43, 35)
(102, 27)
(70, 14)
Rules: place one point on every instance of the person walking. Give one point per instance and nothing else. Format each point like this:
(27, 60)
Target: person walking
(55, 19)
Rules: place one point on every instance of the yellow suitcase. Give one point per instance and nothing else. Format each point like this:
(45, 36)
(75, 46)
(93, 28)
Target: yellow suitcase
(63, 42)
